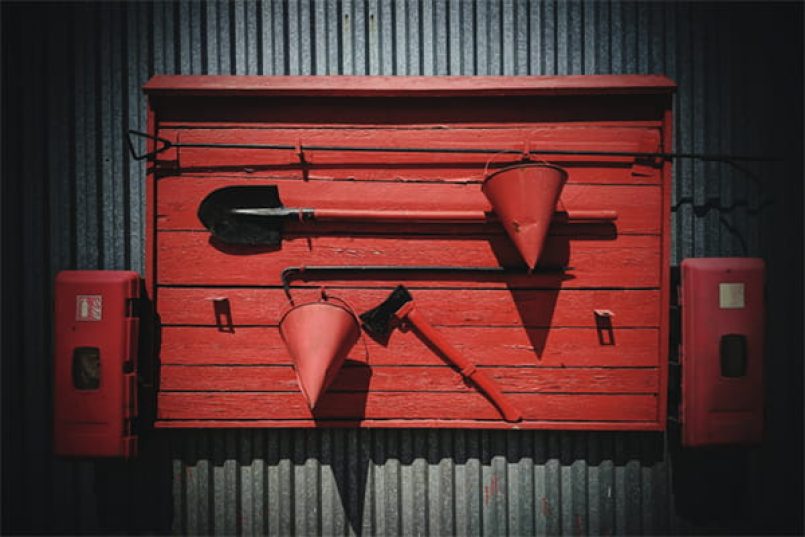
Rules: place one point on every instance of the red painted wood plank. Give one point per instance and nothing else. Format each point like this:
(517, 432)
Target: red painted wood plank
(578, 425)
(494, 135)
(467, 307)
(567, 138)
(628, 261)
(558, 347)
(578, 174)
(493, 86)
(415, 166)
(638, 207)
(413, 379)
(377, 405)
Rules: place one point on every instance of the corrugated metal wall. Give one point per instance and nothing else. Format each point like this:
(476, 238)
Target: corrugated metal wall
(73, 199)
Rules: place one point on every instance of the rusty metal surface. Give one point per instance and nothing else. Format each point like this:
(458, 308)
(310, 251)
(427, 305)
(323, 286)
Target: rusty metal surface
(73, 199)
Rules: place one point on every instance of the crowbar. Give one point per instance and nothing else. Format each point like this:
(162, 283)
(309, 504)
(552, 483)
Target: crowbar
(400, 307)
(318, 272)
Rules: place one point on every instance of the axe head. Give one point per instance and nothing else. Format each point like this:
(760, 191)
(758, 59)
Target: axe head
(378, 321)
(248, 215)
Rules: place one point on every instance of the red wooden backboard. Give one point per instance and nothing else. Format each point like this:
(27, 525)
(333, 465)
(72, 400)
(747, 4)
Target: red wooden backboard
(536, 335)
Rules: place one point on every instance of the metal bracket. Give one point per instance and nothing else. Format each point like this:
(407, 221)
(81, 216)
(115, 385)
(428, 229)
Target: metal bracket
(603, 325)
(645, 164)
(299, 151)
(527, 155)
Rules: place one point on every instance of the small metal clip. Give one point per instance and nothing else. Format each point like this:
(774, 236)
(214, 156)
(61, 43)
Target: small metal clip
(527, 150)
(223, 314)
(300, 152)
(603, 324)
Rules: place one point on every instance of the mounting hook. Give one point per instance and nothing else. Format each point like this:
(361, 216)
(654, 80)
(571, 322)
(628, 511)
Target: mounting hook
(166, 144)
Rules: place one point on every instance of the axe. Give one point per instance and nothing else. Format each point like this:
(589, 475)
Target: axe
(400, 307)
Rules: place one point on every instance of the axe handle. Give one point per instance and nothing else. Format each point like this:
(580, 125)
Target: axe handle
(488, 386)
(459, 217)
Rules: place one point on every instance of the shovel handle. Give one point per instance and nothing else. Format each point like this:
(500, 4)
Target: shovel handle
(458, 217)
(396, 215)
(487, 386)
(587, 216)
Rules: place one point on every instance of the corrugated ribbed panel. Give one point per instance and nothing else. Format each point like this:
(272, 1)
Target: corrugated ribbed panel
(72, 78)
(414, 482)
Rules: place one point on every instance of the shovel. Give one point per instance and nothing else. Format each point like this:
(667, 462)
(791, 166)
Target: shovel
(254, 215)
(400, 307)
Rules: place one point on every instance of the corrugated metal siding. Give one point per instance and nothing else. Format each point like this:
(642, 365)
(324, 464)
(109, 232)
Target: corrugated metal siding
(73, 199)
(379, 482)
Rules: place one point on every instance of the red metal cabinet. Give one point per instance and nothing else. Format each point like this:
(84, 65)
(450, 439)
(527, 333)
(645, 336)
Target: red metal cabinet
(222, 359)
(94, 386)
(723, 315)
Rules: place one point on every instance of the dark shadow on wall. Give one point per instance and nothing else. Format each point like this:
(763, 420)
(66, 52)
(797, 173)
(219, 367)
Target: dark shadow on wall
(712, 488)
(135, 497)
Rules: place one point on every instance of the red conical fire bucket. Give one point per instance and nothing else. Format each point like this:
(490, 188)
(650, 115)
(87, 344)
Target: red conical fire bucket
(318, 335)
(524, 198)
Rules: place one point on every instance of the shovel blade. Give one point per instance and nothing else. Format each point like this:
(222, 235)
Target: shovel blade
(219, 214)
(524, 198)
(318, 336)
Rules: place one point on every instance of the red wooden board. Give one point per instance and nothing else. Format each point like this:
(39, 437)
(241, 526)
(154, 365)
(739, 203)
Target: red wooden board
(637, 206)
(455, 307)
(371, 166)
(222, 361)
(390, 405)
(625, 261)
(355, 378)
(389, 86)
(416, 166)
(511, 346)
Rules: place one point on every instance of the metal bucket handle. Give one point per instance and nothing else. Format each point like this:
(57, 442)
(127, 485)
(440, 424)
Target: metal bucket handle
(336, 301)
(527, 157)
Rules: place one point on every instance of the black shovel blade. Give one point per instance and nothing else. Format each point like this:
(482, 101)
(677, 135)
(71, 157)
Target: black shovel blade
(219, 214)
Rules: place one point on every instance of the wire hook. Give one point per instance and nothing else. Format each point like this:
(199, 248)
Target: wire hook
(166, 144)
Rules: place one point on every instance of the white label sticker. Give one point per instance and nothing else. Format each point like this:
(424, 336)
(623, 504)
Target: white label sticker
(88, 308)
(731, 295)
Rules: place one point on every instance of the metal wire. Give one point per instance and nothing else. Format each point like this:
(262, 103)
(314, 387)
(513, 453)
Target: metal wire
(167, 144)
